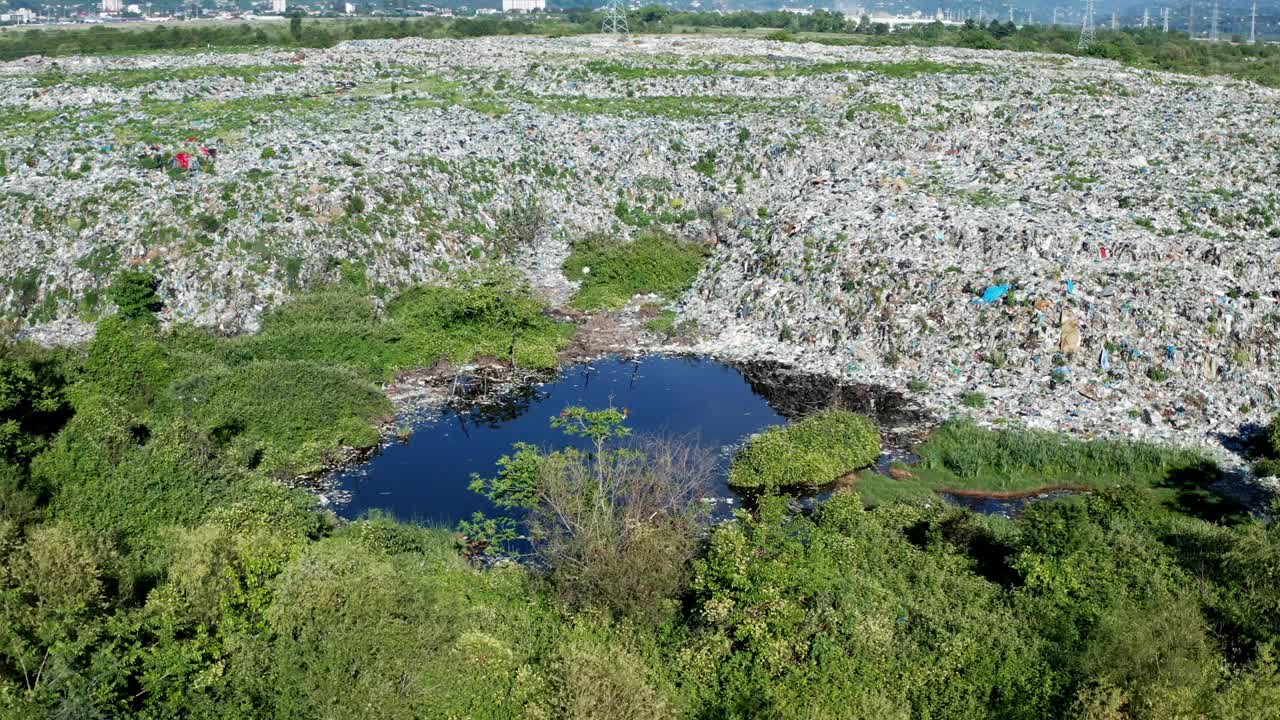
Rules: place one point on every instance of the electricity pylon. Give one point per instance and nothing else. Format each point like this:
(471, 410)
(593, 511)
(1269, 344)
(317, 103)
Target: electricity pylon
(615, 19)
(1088, 34)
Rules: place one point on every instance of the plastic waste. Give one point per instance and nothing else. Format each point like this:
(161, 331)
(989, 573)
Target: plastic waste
(993, 293)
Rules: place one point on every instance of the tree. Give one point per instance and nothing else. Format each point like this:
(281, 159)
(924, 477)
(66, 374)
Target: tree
(135, 296)
(295, 27)
(615, 527)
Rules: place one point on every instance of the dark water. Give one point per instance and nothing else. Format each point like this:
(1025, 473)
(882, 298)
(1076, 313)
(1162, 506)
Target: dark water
(425, 479)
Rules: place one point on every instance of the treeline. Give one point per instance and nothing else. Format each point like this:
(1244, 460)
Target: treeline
(1148, 48)
(152, 566)
(300, 32)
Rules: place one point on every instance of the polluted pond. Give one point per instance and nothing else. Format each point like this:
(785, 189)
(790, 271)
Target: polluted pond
(425, 476)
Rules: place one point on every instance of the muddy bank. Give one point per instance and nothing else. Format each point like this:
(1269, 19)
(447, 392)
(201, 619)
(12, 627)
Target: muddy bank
(794, 393)
(1014, 494)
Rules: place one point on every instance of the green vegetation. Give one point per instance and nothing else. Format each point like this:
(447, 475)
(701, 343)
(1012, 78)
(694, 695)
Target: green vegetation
(1071, 614)
(611, 272)
(126, 79)
(616, 527)
(890, 111)
(300, 394)
(673, 107)
(239, 36)
(963, 457)
(1138, 47)
(134, 293)
(664, 324)
(975, 400)
(1266, 451)
(487, 313)
(906, 70)
(151, 568)
(810, 453)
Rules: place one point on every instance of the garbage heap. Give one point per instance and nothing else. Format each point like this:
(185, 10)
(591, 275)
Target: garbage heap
(1089, 246)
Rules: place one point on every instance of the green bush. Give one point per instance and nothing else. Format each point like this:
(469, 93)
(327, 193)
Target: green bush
(843, 616)
(1273, 437)
(296, 412)
(112, 481)
(810, 453)
(612, 272)
(976, 455)
(355, 628)
(134, 293)
(33, 403)
(485, 313)
(129, 361)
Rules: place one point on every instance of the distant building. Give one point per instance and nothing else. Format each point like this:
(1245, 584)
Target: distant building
(24, 15)
(348, 8)
(279, 6)
(112, 7)
(523, 6)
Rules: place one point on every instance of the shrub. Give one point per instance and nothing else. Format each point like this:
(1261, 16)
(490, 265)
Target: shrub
(975, 400)
(295, 410)
(809, 453)
(485, 313)
(840, 615)
(520, 223)
(600, 681)
(135, 296)
(1273, 437)
(616, 527)
(33, 404)
(612, 272)
(130, 362)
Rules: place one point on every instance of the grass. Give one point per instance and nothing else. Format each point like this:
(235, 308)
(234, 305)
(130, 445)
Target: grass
(959, 455)
(904, 70)
(664, 324)
(127, 79)
(287, 414)
(889, 111)
(810, 453)
(1076, 182)
(612, 272)
(298, 394)
(487, 314)
(672, 107)
(983, 198)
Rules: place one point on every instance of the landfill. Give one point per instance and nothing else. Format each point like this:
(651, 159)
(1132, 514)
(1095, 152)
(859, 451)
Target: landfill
(1091, 247)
